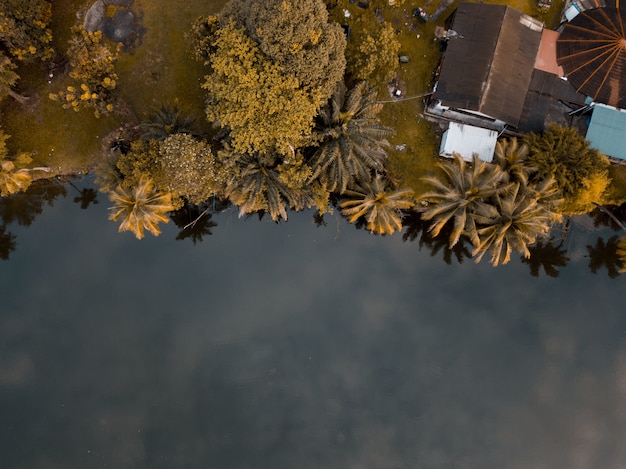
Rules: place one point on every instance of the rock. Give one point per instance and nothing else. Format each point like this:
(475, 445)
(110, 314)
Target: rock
(404, 59)
(94, 18)
(120, 27)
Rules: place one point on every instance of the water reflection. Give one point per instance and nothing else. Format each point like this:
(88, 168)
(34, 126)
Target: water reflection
(282, 346)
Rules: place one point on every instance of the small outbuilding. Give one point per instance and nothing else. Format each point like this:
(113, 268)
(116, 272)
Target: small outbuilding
(607, 131)
(467, 140)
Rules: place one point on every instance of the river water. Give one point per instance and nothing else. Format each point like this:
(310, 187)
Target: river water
(297, 346)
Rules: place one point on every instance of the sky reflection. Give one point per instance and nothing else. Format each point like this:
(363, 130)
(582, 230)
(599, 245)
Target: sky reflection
(284, 346)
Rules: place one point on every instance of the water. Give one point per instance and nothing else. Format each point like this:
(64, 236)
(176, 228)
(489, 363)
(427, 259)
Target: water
(293, 346)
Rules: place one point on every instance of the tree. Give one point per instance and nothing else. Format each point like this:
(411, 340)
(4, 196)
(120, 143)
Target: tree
(518, 222)
(14, 176)
(581, 172)
(352, 140)
(373, 55)
(380, 206)
(140, 208)
(8, 78)
(180, 165)
(513, 159)
(461, 194)
(297, 36)
(188, 168)
(264, 109)
(24, 29)
(263, 183)
(93, 69)
(168, 120)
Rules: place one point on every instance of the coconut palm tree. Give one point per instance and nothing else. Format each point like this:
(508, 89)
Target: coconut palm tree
(13, 180)
(381, 207)
(168, 120)
(463, 191)
(513, 159)
(256, 185)
(140, 207)
(352, 140)
(518, 221)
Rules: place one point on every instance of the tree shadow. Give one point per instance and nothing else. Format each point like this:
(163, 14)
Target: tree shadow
(415, 228)
(605, 255)
(194, 221)
(547, 255)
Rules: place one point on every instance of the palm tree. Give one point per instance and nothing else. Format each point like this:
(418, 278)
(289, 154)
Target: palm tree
(13, 180)
(463, 191)
(352, 139)
(380, 207)
(518, 221)
(140, 208)
(513, 159)
(255, 185)
(169, 119)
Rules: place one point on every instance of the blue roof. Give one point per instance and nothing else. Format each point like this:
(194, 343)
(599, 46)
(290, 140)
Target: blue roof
(607, 131)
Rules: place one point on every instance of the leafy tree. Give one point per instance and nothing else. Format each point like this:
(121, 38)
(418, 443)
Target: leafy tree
(93, 69)
(180, 165)
(24, 29)
(8, 78)
(462, 192)
(249, 94)
(547, 255)
(381, 207)
(352, 140)
(519, 220)
(373, 55)
(581, 172)
(140, 208)
(297, 36)
(187, 168)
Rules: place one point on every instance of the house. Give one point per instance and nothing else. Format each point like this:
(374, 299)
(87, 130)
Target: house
(487, 66)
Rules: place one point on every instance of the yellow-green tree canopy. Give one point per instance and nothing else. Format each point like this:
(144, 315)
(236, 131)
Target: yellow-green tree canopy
(373, 55)
(24, 28)
(581, 172)
(297, 36)
(93, 69)
(248, 93)
(8, 77)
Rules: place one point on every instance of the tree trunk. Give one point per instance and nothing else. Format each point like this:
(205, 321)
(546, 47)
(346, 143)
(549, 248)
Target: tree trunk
(18, 97)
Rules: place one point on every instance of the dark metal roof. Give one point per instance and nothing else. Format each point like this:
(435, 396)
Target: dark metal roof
(592, 51)
(487, 67)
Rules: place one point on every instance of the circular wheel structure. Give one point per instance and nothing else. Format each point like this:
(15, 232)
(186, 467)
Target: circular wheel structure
(592, 51)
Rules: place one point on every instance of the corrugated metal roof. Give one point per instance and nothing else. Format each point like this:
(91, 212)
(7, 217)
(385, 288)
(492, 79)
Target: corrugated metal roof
(487, 67)
(467, 140)
(592, 50)
(607, 131)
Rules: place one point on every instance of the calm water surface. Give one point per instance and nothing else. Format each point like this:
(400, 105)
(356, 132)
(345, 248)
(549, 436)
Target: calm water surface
(293, 346)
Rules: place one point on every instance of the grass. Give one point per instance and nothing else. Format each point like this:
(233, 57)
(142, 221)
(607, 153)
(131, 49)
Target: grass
(161, 69)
